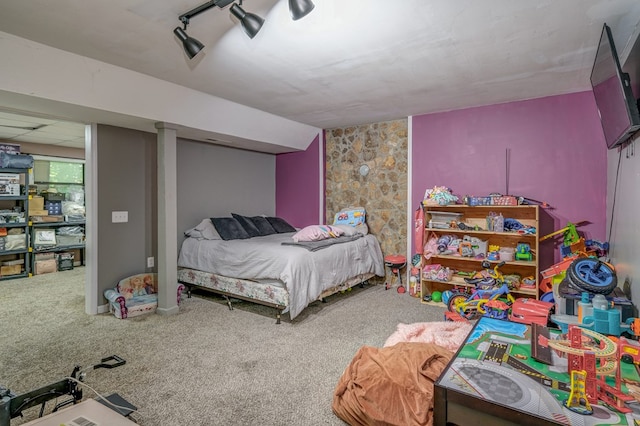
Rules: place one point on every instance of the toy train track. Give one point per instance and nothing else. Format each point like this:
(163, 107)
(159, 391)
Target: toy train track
(606, 352)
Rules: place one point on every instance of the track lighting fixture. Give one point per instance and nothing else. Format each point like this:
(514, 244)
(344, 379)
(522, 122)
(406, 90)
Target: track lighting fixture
(250, 22)
(300, 8)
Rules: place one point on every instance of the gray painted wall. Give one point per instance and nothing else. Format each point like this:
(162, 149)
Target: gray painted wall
(126, 182)
(215, 180)
(212, 181)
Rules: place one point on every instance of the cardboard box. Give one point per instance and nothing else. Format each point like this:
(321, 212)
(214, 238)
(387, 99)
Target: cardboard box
(47, 218)
(10, 270)
(46, 266)
(36, 202)
(9, 184)
(37, 212)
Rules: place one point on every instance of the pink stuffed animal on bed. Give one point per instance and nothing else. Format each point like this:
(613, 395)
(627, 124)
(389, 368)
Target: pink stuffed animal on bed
(448, 334)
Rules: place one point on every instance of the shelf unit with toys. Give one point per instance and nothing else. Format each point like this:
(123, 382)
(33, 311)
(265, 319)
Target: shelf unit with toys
(468, 234)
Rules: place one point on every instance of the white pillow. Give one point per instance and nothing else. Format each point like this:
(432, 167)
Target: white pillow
(205, 230)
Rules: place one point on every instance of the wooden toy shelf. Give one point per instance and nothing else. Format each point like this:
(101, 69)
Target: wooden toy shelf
(476, 216)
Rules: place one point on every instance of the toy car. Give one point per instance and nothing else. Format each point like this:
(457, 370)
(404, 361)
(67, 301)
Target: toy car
(523, 252)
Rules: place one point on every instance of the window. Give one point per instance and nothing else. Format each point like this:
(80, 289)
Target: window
(64, 175)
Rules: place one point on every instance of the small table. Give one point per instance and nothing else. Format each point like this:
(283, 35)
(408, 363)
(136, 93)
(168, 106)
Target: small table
(86, 413)
(493, 379)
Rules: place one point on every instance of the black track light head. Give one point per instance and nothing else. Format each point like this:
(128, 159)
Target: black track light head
(300, 8)
(251, 23)
(191, 45)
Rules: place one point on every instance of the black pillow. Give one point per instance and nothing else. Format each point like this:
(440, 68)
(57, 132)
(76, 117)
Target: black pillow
(280, 225)
(247, 224)
(229, 228)
(263, 225)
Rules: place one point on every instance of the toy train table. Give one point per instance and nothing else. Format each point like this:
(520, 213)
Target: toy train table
(499, 377)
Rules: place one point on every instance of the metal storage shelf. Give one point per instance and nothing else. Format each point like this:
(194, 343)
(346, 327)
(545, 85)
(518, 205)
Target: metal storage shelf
(56, 248)
(21, 201)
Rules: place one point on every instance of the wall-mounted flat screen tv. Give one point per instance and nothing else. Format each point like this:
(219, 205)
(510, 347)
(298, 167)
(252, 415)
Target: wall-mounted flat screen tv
(616, 104)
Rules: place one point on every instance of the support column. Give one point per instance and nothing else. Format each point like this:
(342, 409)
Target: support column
(167, 220)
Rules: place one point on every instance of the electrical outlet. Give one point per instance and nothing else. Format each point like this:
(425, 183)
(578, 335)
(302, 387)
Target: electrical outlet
(119, 217)
(150, 262)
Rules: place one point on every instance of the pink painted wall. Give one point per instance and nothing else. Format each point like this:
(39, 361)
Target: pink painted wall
(297, 186)
(557, 155)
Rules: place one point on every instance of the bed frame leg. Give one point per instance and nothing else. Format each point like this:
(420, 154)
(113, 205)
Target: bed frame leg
(189, 292)
(277, 316)
(228, 303)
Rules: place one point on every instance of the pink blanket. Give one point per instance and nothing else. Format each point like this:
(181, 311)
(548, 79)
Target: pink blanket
(447, 334)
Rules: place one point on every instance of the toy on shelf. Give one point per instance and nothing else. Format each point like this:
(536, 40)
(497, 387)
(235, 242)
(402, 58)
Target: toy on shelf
(439, 195)
(471, 306)
(523, 252)
(488, 278)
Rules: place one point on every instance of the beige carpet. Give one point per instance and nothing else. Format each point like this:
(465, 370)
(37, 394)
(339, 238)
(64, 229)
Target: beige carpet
(205, 366)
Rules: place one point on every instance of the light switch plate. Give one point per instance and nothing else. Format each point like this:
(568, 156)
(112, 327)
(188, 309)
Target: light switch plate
(119, 217)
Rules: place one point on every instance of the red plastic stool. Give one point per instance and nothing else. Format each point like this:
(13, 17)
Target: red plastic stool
(395, 262)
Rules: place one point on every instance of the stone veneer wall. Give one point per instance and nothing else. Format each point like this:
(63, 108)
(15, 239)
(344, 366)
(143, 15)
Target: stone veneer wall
(383, 192)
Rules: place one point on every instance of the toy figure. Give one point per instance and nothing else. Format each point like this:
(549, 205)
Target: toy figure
(148, 284)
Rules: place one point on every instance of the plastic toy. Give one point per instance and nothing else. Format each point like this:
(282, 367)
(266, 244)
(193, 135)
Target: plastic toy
(489, 278)
(465, 249)
(470, 306)
(395, 262)
(531, 311)
(629, 350)
(595, 358)
(523, 252)
(443, 243)
(496, 309)
(592, 275)
(569, 234)
(436, 296)
(572, 243)
(578, 401)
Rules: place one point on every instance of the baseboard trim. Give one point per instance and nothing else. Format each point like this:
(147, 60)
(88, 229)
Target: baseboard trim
(103, 309)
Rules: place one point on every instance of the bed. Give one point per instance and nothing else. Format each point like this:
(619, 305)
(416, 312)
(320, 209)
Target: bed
(263, 270)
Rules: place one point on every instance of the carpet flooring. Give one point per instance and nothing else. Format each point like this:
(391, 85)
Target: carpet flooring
(207, 365)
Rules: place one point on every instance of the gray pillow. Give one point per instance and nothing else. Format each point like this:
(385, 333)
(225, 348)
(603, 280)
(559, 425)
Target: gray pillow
(280, 225)
(229, 228)
(247, 224)
(263, 225)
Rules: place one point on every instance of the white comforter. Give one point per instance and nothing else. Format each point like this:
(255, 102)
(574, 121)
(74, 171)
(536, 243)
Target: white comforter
(306, 274)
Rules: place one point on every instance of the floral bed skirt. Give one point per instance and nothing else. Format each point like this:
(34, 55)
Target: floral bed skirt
(271, 293)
